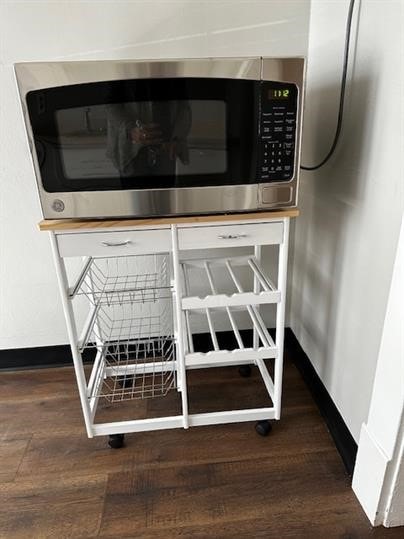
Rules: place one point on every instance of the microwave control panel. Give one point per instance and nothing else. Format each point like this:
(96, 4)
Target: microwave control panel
(277, 131)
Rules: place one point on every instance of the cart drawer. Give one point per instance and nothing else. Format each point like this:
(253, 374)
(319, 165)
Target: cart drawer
(121, 243)
(230, 235)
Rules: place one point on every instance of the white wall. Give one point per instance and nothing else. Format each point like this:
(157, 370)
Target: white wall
(346, 238)
(381, 443)
(30, 310)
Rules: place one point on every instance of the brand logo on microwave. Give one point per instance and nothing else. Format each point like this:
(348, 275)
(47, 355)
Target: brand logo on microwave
(58, 205)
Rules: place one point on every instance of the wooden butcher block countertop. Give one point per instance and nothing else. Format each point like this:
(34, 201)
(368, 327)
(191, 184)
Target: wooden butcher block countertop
(86, 224)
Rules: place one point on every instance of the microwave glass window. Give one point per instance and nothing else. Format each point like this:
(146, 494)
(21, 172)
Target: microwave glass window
(143, 138)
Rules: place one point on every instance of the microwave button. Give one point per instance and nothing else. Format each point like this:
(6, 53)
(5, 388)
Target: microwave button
(276, 196)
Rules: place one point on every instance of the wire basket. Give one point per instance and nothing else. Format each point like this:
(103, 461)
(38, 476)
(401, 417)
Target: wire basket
(137, 348)
(139, 370)
(126, 323)
(129, 279)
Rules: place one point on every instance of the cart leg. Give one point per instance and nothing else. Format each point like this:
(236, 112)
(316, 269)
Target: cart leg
(72, 333)
(180, 327)
(280, 316)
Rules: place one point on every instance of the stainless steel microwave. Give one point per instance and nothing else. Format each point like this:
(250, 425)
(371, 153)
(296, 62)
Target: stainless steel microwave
(152, 138)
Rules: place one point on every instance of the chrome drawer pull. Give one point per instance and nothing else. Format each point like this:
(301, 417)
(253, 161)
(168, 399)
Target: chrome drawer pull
(116, 243)
(231, 236)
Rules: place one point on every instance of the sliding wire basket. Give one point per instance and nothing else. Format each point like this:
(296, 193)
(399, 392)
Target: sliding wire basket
(128, 279)
(136, 353)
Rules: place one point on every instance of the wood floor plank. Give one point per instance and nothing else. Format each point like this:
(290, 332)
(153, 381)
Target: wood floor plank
(76, 454)
(73, 521)
(272, 527)
(11, 454)
(163, 500)
(50, 507)
(220, 481)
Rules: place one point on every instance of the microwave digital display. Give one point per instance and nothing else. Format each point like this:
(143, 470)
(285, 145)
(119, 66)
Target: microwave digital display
(279, 93)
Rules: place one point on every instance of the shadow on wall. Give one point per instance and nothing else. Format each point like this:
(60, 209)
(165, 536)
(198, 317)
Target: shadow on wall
(328, 198)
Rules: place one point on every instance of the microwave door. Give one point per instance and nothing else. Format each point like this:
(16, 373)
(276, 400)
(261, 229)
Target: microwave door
(146, 134)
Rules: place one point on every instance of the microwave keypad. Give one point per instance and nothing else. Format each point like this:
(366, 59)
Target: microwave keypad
(277, 134)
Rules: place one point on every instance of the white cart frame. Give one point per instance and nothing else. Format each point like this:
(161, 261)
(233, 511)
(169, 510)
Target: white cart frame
(264, 292)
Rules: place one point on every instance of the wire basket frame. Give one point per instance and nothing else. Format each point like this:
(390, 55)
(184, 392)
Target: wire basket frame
(138, 352)
(127, 279)
(141, 370)
(125, 323)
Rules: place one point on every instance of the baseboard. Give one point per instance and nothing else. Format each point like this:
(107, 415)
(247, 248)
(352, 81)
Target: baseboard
(345, 443)
(40, 357)
(53, 356)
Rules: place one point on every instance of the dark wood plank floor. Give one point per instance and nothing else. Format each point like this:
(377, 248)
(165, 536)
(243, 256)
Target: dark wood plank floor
(208, 482)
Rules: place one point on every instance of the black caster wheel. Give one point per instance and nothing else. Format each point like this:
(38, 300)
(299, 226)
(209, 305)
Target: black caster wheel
(263, 428)
(116, 441)
(244, 371)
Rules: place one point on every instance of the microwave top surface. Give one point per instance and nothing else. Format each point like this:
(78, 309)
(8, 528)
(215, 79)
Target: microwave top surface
(37, 75)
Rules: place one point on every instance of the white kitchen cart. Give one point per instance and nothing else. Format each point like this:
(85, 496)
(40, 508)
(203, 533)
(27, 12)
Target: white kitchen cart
(138, 279)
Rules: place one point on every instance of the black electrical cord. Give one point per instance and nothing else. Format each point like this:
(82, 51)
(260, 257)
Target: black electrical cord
(342, 93)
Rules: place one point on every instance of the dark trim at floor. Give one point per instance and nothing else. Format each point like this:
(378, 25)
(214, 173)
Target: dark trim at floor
(55, 356)
(345, 443)
(40, 357)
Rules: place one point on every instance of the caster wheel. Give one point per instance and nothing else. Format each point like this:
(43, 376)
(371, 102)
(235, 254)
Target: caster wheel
(244, 371)
(116, 441)
(263, 428)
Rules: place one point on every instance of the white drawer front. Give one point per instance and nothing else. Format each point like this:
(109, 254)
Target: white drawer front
(230, 235)
(115, 243)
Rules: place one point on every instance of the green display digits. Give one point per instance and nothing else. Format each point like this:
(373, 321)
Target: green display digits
(282, 93)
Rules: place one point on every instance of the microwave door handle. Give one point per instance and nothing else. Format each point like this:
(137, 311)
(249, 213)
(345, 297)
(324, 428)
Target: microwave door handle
(231, 236)
(116, 243)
